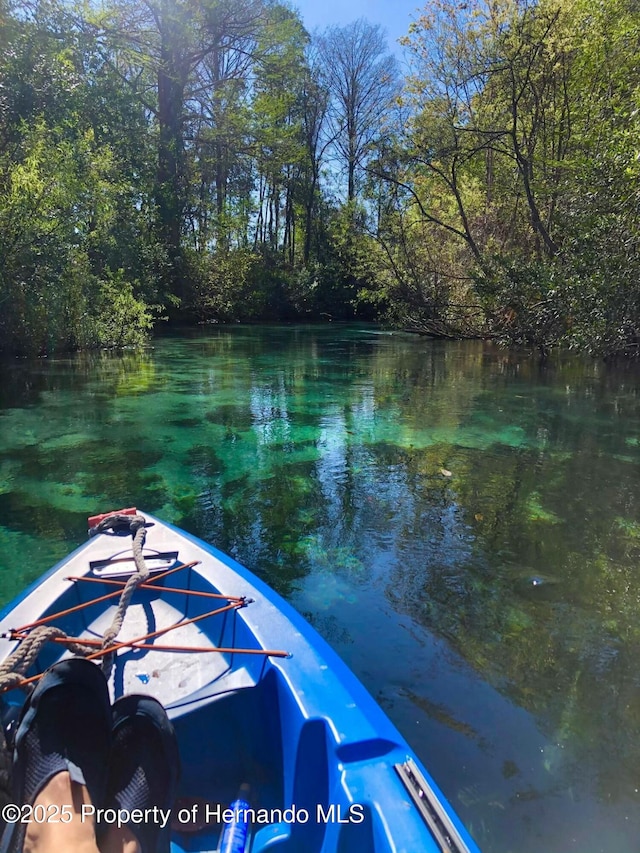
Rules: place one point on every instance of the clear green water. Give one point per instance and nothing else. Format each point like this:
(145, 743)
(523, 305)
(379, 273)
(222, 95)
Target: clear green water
(461, 524)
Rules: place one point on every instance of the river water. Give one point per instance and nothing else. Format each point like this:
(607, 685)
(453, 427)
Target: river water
(461, 523)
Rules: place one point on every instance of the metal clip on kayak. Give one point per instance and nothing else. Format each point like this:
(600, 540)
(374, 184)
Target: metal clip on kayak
(428, 804)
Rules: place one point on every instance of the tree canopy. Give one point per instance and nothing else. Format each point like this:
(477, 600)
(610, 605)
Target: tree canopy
(213, 161)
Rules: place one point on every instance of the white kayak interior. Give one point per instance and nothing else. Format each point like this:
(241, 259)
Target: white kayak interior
(170, 676)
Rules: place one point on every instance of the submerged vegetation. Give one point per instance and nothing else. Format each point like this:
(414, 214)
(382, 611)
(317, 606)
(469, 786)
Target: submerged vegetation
(213, 161)
(460, 522)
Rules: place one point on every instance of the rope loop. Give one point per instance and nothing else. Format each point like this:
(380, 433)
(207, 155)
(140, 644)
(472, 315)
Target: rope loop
(12, 669)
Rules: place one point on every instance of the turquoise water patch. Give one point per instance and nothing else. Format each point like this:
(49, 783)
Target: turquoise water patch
(462, 523)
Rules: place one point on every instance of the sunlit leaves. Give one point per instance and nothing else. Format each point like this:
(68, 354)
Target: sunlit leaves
(525, 115)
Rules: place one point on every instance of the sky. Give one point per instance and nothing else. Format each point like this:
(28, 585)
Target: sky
(393, 15)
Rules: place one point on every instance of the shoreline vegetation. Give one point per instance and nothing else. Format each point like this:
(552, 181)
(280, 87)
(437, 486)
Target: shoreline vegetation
(212, 161)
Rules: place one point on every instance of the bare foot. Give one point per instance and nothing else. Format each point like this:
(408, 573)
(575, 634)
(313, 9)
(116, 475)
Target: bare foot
(52, 835)
(77, 834)
(119, 841)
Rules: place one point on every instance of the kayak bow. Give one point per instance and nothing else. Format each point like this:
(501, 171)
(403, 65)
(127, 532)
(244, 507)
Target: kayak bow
(260, 703)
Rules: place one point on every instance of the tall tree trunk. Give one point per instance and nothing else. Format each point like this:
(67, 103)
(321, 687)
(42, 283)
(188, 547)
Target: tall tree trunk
(170, 170)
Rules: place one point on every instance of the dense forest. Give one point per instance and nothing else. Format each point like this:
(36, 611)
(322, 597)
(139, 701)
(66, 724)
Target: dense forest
(212, 161)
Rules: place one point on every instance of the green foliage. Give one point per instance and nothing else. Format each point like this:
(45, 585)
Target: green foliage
(73, 196)
(179, 153)
(521, 166)
(117, 319)
(528, 303)
(58, 221)
(354, 257)
(222, 286)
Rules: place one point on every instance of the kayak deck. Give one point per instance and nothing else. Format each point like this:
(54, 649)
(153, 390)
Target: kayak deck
(276, 710)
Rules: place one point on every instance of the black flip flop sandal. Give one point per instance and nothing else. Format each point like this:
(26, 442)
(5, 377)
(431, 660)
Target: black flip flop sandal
(144, 769)
(65, 725)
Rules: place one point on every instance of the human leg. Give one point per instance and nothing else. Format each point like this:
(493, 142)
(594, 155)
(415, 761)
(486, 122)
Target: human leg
(61, 753)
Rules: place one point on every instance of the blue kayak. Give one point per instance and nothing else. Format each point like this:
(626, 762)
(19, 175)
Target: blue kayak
(281, 746)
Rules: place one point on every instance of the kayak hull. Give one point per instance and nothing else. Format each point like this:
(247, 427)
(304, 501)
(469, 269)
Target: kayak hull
(325, 766)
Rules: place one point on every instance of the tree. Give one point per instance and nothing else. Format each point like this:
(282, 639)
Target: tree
(491, 108)
(522, 115)
(74, 193)
(361, 77)
(279, 146)
(314, 108)
(193, 50)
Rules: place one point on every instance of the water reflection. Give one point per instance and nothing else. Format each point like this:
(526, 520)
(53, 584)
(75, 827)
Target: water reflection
(462, 523)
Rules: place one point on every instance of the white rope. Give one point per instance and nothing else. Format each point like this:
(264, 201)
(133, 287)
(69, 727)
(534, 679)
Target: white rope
(141, 575)
(137, 523)
(12, 669)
